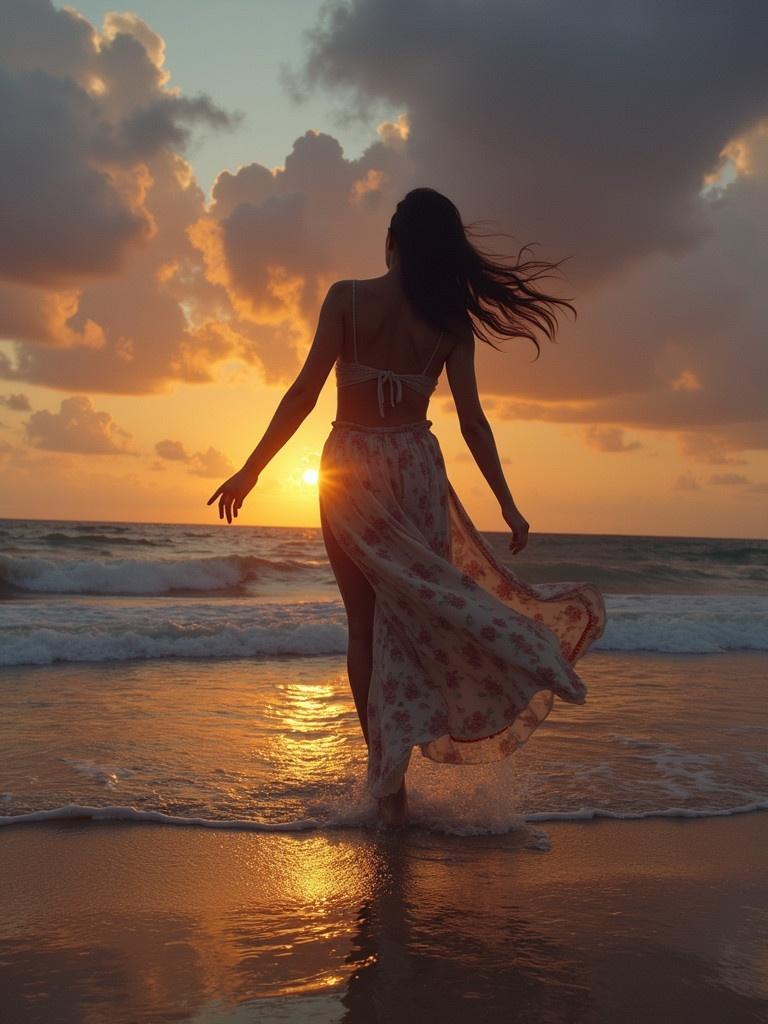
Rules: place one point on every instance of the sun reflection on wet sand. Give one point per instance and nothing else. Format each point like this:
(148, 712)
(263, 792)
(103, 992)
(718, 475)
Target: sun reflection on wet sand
(139, 923)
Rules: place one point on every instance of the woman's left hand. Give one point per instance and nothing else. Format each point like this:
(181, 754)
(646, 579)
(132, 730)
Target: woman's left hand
(233, 493)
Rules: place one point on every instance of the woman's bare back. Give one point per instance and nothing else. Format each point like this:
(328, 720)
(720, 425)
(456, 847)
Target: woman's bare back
(390, 336)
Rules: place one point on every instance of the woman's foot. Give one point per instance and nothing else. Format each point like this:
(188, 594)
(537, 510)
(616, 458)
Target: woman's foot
(393, 808)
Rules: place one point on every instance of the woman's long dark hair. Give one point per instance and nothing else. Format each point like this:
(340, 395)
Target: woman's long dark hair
(446, 278)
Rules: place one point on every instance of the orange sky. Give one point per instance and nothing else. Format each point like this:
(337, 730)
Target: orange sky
(148, 328)
(559, 481)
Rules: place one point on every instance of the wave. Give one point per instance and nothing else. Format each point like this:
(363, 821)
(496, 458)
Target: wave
(359, 817)
(591, 813)
(126, 576)
(71, 812)
(685, 624)
(81, 630)
(98, 539)
(203, 630)
(652, 576)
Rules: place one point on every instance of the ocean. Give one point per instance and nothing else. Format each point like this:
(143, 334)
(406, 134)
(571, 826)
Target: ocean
(196, 675)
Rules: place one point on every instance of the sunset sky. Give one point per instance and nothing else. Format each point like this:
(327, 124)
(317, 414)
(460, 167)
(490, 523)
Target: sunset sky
(182, 181)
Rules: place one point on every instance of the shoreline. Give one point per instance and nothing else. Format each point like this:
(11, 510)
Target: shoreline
(126, 814)
(209, 523)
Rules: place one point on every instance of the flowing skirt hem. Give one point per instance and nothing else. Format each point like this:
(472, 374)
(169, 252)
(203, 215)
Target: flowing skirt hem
(468, 657)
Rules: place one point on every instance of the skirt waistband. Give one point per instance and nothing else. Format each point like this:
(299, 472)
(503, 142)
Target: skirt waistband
(397, 429)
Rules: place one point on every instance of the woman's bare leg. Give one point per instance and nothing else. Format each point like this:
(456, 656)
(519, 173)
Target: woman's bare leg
(393, 808)
(359, 599)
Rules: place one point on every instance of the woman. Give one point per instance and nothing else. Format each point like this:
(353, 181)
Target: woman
(447, 649)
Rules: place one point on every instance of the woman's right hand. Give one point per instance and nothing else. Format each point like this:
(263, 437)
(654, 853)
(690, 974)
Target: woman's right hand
(233, 493)
(519, 526)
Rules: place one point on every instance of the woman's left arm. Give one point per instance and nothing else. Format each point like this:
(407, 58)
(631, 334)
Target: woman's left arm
(297, 403)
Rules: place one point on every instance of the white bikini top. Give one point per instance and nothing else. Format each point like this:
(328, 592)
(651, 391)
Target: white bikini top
(355, 373)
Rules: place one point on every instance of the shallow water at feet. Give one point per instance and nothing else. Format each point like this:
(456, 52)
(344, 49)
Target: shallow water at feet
(277, 744)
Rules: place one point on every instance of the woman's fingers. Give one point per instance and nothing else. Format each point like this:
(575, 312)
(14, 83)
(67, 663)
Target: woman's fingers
(229, 502)
(520, 539)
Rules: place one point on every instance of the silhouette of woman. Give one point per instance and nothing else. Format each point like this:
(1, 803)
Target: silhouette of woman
(448, 649)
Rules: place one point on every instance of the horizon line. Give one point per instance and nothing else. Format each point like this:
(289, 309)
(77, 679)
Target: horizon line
(265, 526)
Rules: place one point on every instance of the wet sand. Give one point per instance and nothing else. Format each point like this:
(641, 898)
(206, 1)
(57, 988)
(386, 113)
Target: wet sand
(619, 921)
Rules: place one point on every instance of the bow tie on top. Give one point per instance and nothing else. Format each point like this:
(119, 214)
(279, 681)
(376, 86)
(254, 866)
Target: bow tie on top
(395, 388)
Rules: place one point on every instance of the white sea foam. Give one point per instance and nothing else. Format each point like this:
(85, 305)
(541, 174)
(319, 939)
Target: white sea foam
(109, 777)
(117, 813)
(588, 813)
(361, 817)
(685, 624)
(81, 629)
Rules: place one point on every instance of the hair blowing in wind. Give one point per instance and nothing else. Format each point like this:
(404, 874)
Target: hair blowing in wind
(447, 278)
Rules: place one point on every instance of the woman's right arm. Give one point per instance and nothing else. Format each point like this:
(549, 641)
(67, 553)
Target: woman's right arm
(476, 431)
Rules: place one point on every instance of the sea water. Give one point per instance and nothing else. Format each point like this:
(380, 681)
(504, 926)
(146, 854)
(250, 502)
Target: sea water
(196, 674)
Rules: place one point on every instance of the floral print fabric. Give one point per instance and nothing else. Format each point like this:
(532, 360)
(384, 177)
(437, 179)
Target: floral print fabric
(467, 657)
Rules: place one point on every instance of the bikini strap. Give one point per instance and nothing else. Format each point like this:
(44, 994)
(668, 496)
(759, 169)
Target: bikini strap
(434, 353)
(354, 323)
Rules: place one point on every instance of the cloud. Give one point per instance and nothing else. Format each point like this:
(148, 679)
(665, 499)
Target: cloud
(208, 463)
(116, 276)
(275, 240)
(17, 403)
(609, 439)
(628, 143)
(714, 448)
(100, 288)
(77, 427)
(729, 479)
(172, 450)
(587, 130)
(81, 110)
(674, 345)
(687, 482)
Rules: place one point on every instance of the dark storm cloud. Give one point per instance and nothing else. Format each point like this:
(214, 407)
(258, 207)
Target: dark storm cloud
(61, 216)
(593, 129)
(586, 126)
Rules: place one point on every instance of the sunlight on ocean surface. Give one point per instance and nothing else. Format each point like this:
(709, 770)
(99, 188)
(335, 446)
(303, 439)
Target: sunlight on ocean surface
(198, 672)
(277, 745)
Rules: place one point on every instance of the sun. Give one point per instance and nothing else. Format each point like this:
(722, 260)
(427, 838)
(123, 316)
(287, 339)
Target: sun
(309, 476)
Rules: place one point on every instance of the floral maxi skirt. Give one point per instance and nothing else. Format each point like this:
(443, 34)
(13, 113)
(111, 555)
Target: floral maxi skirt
(467, 657)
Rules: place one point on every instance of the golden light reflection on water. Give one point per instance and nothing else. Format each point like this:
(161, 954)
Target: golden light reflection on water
(309, 732)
